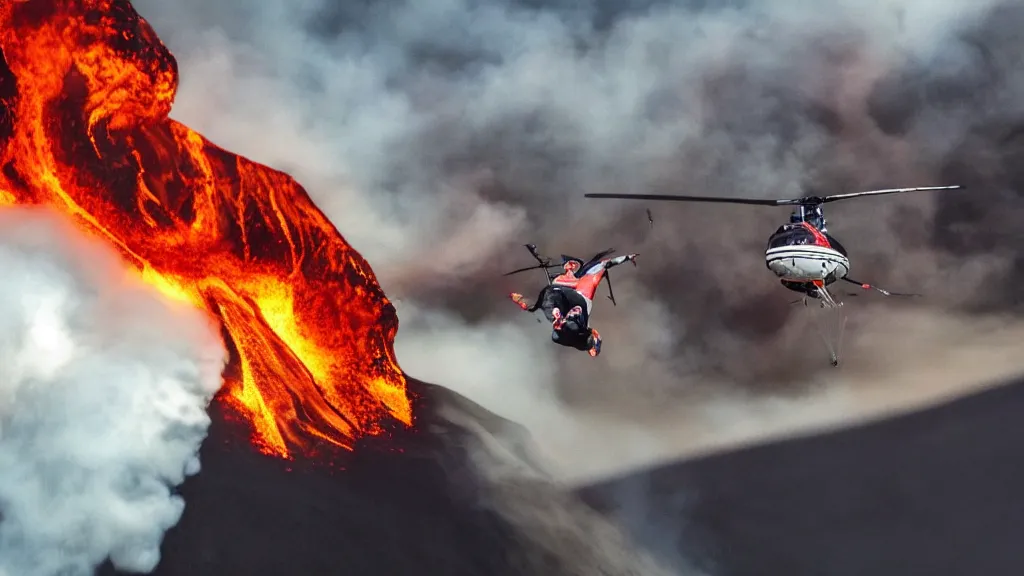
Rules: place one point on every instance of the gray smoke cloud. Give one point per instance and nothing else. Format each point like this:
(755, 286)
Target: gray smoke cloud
(103, 390)
(441, 136)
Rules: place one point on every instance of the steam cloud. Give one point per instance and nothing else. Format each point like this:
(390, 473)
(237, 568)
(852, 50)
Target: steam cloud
(103, 390)
(441, 136)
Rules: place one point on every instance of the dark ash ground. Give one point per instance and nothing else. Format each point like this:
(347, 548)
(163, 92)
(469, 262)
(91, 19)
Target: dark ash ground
(935, 493)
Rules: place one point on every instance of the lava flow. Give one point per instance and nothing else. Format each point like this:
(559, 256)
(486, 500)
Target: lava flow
(86, 87)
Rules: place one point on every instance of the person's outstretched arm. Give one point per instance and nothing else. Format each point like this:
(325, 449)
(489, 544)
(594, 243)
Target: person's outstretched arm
(520, 300)
(523, 303)
(612, 262)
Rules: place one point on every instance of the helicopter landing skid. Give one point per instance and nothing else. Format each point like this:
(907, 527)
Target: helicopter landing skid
(827, 301)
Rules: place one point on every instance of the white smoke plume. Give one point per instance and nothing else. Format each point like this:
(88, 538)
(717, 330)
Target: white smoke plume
(441, 136)
(103, 390)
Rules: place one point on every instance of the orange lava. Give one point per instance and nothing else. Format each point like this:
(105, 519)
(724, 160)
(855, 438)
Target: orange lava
(86, 87)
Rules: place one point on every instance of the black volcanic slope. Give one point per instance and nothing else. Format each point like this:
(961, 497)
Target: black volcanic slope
(935, 493)
(388, 513)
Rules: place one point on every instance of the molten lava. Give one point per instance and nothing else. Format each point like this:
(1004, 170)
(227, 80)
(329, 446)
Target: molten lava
(86, 88)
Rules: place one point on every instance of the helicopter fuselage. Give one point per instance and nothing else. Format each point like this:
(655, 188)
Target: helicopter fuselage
(804, 257)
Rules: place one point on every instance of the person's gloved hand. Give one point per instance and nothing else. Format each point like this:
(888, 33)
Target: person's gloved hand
(519, 299)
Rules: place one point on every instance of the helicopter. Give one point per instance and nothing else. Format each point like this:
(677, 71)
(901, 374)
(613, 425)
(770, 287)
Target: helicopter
(801, 253)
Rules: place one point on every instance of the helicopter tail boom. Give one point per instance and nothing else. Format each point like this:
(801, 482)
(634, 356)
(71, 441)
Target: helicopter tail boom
(881, 291)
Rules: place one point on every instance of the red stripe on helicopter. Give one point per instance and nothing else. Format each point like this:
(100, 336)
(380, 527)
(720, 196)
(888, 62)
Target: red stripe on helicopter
(819, 238)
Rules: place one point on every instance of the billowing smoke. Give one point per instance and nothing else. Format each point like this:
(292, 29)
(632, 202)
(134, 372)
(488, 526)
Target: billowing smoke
(441, 136)
(103, 390)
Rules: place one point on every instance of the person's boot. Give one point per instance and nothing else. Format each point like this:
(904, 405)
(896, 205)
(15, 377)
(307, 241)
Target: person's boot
(595, 343)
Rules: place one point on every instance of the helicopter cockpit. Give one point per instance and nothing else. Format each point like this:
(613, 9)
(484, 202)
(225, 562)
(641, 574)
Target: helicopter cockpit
(794, 234)
(813, 216)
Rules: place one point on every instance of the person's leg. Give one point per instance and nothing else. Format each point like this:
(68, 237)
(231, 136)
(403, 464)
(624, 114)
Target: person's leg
(556, 305)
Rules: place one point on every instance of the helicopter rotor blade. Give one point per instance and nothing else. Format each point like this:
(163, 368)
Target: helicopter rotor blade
(834, 197)
(536, 267)
(805, 201)
(681, 198)
(536, 255)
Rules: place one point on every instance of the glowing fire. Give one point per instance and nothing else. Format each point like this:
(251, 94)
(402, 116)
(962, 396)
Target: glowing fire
(86, 89)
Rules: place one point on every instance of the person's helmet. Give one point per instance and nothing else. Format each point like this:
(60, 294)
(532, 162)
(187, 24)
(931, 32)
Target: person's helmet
(571, 266)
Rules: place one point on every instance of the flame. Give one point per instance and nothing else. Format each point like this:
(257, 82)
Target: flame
(86, 87)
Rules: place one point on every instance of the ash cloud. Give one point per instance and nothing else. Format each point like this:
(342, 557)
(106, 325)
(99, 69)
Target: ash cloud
(441, 136)
(103, 390)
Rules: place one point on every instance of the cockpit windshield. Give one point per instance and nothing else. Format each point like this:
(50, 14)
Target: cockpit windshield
(790, 235)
